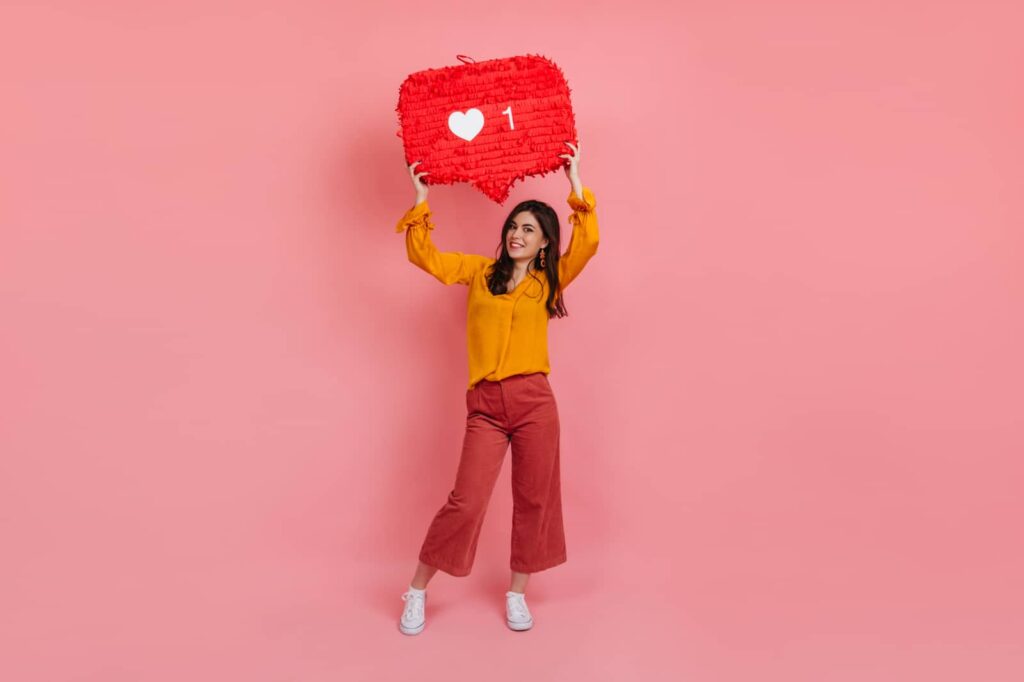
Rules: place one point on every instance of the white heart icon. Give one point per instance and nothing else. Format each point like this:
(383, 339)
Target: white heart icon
(466, 125)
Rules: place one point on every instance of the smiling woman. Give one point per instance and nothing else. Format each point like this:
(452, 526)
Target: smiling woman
(507, 315)
(531, 233)
(508, 400)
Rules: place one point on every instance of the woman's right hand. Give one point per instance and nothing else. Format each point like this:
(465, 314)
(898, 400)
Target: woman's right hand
(418, 185)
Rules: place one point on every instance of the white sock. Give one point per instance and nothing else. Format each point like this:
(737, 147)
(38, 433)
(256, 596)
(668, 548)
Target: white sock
(415, 591)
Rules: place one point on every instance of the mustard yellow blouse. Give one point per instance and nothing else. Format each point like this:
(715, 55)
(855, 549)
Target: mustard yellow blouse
(505, 334)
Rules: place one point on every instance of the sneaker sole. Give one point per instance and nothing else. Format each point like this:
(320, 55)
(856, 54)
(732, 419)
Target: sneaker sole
(412, 631)
(520, 626)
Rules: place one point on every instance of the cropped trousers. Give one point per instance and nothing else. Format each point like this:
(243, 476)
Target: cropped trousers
(520, 410)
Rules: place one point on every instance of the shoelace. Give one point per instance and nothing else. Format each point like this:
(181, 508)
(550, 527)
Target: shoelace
(517, 607)
(413, 606)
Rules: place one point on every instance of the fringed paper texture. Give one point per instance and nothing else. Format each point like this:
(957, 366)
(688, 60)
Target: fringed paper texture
(487, 123)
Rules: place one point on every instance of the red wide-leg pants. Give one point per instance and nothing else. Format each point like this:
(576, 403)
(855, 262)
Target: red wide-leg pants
(520, 409)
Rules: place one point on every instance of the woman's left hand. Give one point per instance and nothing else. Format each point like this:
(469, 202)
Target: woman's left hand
(572, 169)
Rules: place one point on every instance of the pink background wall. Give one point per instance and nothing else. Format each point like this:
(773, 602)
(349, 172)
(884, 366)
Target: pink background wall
(790, 381)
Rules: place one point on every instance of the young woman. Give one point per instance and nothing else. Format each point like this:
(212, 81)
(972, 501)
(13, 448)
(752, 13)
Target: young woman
(509, 399)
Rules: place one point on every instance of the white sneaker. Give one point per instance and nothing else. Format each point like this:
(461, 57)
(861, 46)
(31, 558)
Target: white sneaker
(413, 617)
(517, 615)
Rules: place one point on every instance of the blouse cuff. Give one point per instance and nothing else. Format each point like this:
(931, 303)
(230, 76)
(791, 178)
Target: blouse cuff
(417, 216)
(587, 203)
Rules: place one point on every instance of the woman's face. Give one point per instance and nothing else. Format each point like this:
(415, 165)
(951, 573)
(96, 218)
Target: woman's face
(524, 238)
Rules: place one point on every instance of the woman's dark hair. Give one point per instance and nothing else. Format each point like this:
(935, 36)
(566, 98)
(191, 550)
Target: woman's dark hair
(500, 272)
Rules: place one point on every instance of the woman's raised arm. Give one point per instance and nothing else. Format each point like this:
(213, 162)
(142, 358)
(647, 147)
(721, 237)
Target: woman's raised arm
(583, 243)
(585, 237)
(449, 267)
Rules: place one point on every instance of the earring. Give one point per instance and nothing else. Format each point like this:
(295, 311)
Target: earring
(543, 264)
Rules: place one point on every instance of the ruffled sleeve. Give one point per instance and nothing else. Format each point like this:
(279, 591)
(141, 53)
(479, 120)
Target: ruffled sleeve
(417, 216)
(583, 244)
(448, 267)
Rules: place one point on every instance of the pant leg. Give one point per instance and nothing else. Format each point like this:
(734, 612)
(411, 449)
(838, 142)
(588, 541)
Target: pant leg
(538, 537)
(451, 540)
